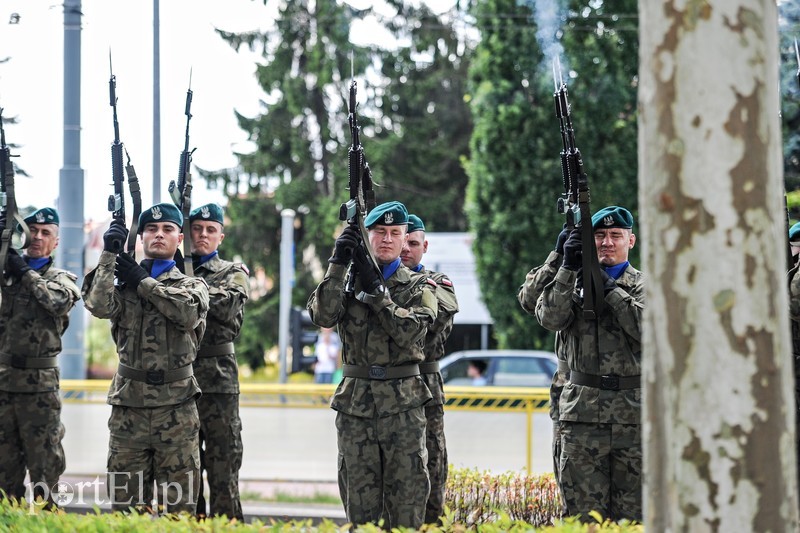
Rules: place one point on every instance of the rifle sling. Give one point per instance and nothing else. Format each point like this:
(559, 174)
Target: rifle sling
(186, 208)
(136, 195)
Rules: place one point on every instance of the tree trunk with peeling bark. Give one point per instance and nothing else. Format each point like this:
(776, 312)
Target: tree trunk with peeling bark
(718, 380)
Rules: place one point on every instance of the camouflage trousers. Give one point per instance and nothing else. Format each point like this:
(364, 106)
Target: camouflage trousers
(382, 468)
(30, 439)
(437, 462)
(601, 470)
(557, 461)
(155, 445)
(220, 454)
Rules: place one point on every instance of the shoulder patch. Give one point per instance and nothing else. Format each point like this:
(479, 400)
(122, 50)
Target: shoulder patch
(430, 282)
(244, 267)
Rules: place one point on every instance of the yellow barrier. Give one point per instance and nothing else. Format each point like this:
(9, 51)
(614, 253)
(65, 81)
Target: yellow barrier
(508, 399)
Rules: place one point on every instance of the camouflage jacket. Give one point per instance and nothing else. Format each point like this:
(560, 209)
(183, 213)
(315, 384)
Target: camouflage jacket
(158, 326)
(794, 308)
(609, 345)
(794, 315)
(34, 314)
(535, 282)
(227, 294)
(439, 331)
(388, 332)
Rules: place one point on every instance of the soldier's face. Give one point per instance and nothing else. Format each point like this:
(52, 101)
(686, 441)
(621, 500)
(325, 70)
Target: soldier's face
(613, 245)
(160, 240)
(387, 242)
(44, 239)
(415, 247)
(206, 236)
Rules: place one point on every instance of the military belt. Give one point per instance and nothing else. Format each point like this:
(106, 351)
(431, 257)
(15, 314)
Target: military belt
(429, 368)
(155, 377)
(216, 350)
(380, 372)
(609, 382)
(22, 361)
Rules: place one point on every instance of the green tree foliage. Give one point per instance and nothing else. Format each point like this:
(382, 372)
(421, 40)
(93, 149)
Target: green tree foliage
(415, 128)
(417, 146)
(789, 27)
(299, 157)
(514, 170)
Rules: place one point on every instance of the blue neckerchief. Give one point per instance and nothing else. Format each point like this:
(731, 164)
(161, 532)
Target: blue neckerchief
(391, 268)
(199, 260)
(418, 268)
(160, 266)
(616, 270)
(36, 264)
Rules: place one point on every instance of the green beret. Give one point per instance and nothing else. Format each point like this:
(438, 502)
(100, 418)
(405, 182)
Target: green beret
(794, 232)
(209, 212)
(387, 214)
(612, 217)
(165, 212)
(45, 215)
(415, 223)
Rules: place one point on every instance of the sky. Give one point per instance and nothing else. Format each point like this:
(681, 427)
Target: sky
(32, 89)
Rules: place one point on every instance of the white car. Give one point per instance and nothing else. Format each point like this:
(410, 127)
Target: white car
(503, 368)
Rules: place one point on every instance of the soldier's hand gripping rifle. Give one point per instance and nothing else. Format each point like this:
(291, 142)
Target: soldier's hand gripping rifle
(181, 191)
(574, 202)
(9, 216)
(362, 197)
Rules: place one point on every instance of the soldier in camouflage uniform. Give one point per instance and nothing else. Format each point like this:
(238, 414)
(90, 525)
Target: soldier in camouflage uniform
(380, 421)
(215, 368)
(158, 316)
(794, 315)
(36, 301)
(535, 282)
(415, 247)
(600, 406)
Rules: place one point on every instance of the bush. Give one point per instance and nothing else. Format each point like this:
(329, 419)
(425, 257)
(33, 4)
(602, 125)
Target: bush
(475, 498)
(475, 501)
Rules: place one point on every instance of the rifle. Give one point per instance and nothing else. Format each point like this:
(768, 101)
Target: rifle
(574, 202)
(181, 192)
(116, 201)
(8, 201)
(136, 195)
(362, 197)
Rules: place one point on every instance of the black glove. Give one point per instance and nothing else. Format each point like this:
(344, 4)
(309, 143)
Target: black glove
(344, 246)
(572, 251)
(114, 237)
(129, 271)
(15, 265)
(609, 283)
(370, 279)
(562, 238)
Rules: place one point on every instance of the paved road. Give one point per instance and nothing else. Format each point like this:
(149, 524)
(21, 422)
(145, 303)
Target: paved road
(299, 444)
